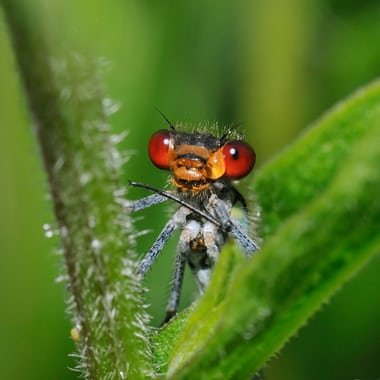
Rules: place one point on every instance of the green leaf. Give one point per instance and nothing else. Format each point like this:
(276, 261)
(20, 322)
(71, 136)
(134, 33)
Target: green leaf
(320, 220)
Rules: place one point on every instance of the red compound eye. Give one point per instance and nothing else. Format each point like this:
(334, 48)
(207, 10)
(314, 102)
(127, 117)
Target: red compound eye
(158, 148)
(239, 159)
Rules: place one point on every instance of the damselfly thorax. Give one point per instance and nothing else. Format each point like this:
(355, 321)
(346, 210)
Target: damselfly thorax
(202, 167)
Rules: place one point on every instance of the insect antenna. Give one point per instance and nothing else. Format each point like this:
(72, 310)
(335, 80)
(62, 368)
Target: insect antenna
(171, 126)
(179, 201)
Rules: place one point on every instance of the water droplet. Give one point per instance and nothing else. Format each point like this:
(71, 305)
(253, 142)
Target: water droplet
(48, 230)
(96, 245)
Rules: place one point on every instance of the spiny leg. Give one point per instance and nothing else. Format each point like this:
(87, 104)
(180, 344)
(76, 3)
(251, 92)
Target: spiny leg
(140, 204)
(176, 287)
(219, 209)
(188, 234)
(244, 241)
(156, 248)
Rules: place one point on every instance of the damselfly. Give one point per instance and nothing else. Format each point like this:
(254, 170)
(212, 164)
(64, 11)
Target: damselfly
(203, 167)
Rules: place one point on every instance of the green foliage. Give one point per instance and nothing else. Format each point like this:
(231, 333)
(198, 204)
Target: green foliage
(320, 208)
(321, 224)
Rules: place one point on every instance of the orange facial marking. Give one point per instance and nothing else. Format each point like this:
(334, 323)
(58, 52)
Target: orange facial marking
(188, 173)
(215, 165)
(195, 167)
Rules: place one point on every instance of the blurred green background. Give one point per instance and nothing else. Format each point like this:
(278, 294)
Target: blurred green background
(274, 65)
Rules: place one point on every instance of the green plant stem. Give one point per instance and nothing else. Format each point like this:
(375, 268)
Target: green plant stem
(83, 169)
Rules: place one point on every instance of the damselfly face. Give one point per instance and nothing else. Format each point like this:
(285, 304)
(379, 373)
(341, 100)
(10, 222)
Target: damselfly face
(197, 160)
(202, 168)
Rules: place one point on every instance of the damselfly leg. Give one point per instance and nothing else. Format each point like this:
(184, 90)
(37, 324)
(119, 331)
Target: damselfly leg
(200, 240)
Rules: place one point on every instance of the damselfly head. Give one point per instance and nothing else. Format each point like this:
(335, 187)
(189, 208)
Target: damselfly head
(196, 160)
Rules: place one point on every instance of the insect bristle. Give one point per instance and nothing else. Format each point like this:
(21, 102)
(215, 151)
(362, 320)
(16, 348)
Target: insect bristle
(220, 131)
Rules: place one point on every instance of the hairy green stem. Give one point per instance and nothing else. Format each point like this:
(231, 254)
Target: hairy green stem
(83, 169)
